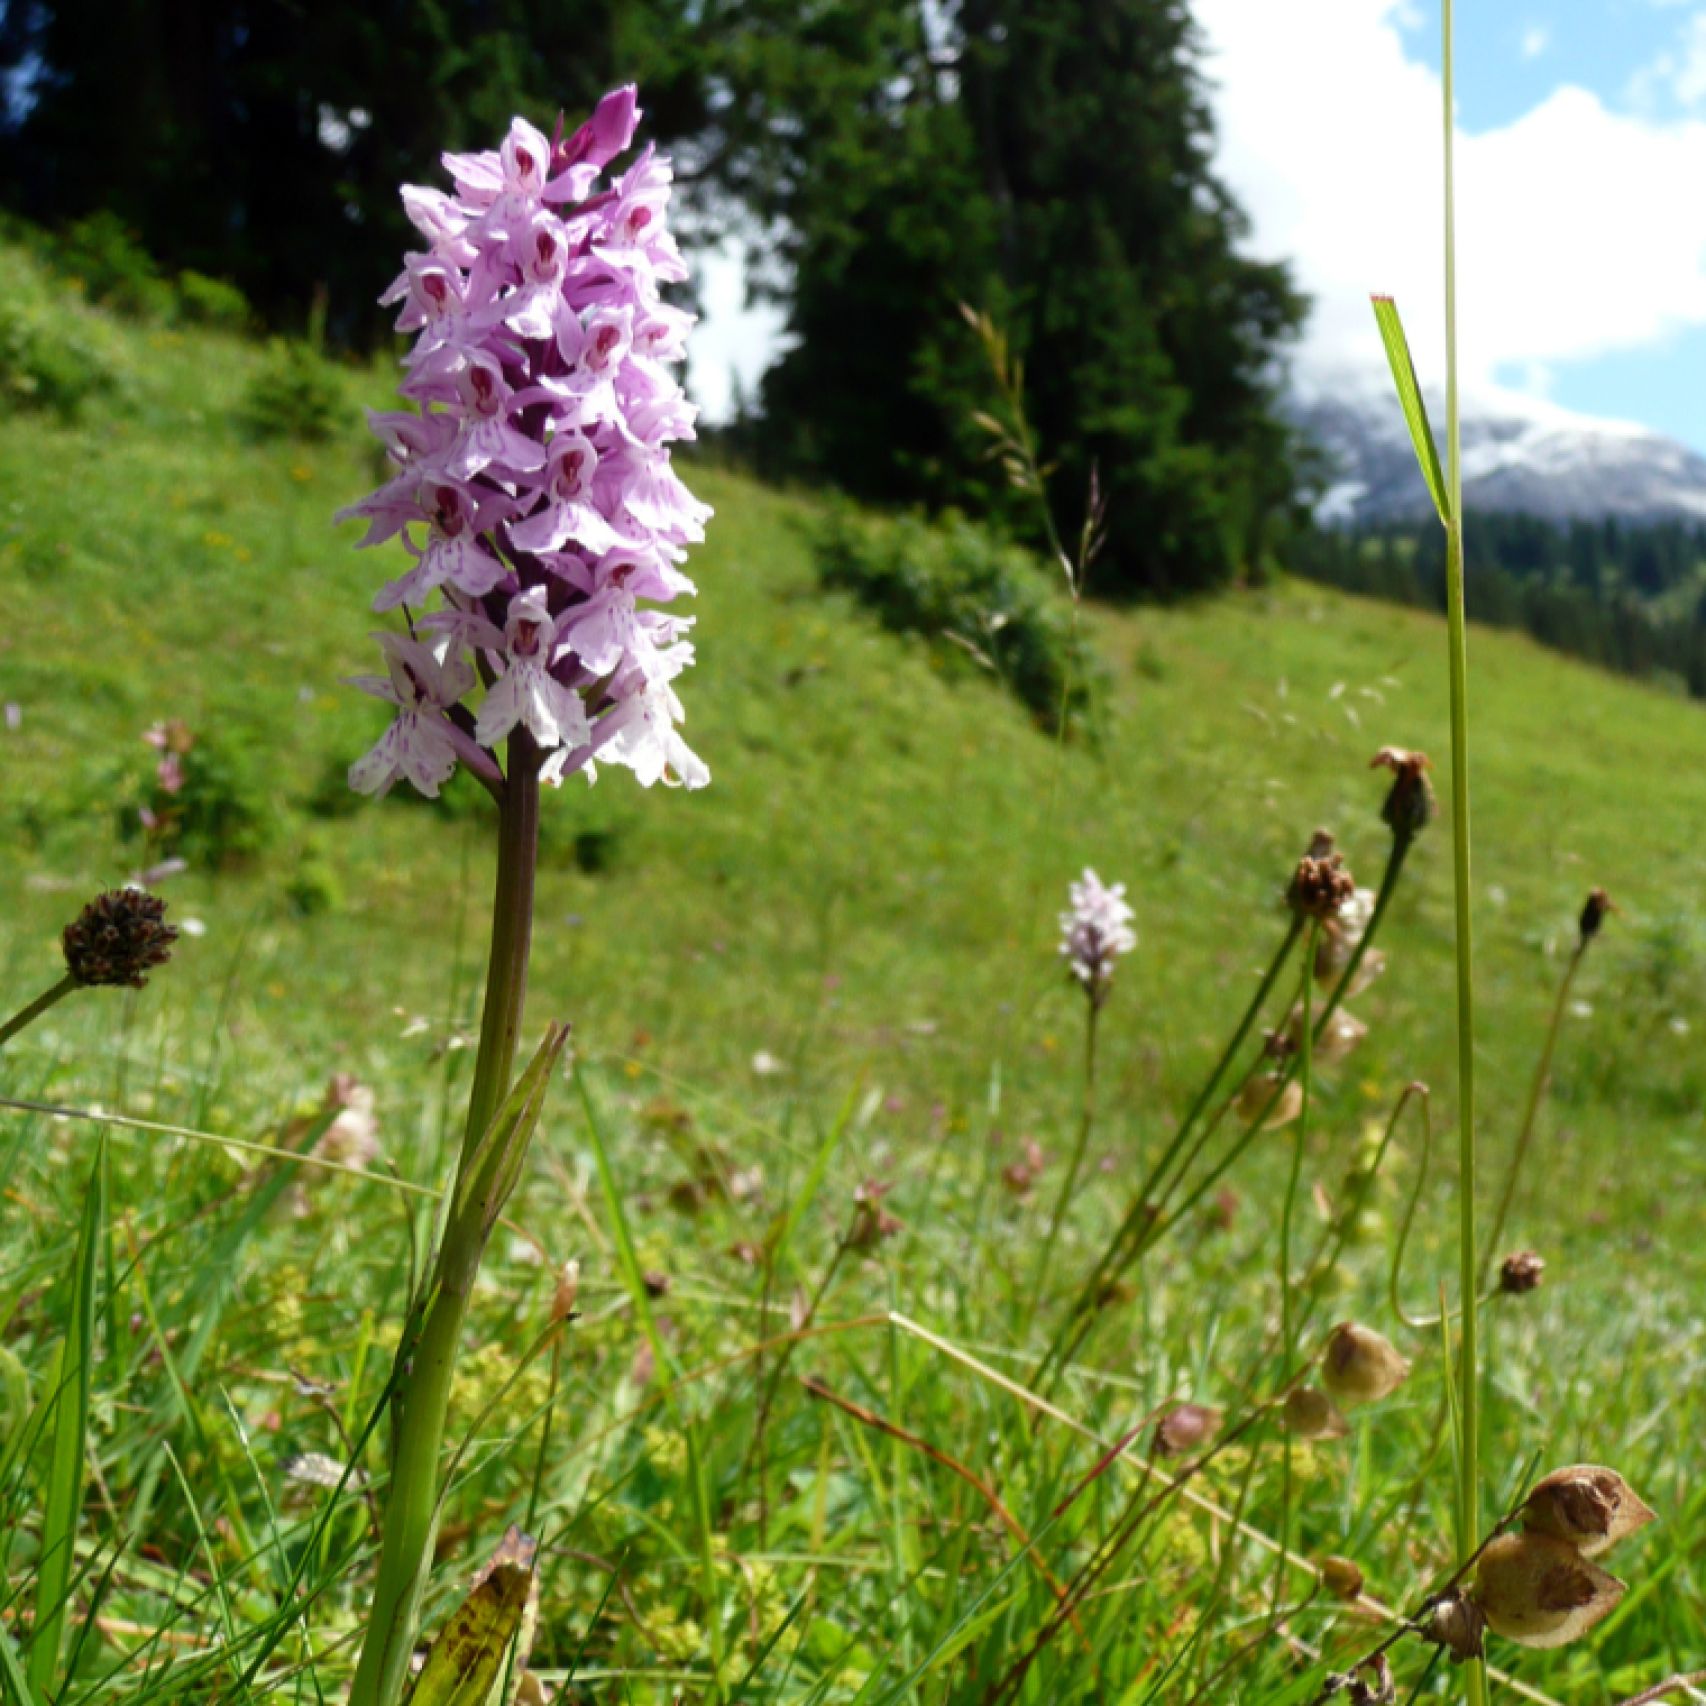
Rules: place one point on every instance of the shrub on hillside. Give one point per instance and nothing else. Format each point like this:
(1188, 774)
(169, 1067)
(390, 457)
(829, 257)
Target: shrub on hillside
(205, 798)
(296, 394)
(49, 362)
(205, 301)
(115, 270)
(962, 587)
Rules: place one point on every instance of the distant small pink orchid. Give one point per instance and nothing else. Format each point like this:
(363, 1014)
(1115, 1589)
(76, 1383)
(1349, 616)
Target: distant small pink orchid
(1095, 931)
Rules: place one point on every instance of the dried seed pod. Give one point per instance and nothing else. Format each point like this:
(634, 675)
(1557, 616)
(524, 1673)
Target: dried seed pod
(118, 938)
(1341, 1578)
(1521, 1272)
(1185, 1427)
(1540, 1591)
(1409, 804)
(1590, 1507)
(1341, 1034)
(1310, 1414)
(1361, 1366)
(1454, 1621)
(1270, 1087)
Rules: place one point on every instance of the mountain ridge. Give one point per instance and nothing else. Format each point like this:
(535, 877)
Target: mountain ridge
(1520, 453)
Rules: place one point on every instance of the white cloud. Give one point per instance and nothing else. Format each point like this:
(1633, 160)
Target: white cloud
(735, 340)
(1535, 41)
(1580, 230)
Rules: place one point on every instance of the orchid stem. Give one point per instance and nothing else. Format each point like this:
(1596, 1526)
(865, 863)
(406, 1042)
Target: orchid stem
(411, 1507)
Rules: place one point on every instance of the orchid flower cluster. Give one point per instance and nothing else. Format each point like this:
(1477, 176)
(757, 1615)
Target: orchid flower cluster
(534, 490)
(1094, 931)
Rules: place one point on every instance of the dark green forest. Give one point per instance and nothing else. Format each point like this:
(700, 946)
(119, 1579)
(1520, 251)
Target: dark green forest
(1628, 595)
(890, 159)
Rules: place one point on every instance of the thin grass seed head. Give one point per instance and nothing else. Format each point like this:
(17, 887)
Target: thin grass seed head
(533, 489)
(1094, 931)
(1521, 1272)
(1586, 1505)
(1540, 1591)
(1409, 806)
(117, 939)
(1361, 1366)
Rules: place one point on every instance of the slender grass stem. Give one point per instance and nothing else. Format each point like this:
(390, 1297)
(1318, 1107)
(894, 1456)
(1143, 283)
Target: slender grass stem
(1469, 1456)
(1069, 1183)
(1288, 1211)
(1536, 1094)
(411, 1505)
(28, 1015)
(1083, 1307)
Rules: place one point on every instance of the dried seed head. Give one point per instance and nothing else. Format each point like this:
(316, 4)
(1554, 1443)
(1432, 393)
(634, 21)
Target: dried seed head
(1264, 1088)
(1521, 1272)
(118, 938)
(656, 1282)
(1360, 1366)
(1341, 1578)
(1320, 885)
(1593, 913)
(1454, 1621)
(1313, 1415)
(1539, 1591)
(1590, 1507)
(1185, 1427)
(1410, 802)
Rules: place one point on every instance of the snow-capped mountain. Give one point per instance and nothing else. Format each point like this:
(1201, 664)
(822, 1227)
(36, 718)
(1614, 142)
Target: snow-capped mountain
(1519, 453)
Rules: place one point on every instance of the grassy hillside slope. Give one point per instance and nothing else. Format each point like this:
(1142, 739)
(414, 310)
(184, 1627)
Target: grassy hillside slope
(861, 906)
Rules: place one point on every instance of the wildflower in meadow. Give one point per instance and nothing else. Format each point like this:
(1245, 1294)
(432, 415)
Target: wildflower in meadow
(1320, 886)
(1094, 931)
(1410, 805)
(1521, 1272)
(1598, 904)
(117, 939)
(533, 488)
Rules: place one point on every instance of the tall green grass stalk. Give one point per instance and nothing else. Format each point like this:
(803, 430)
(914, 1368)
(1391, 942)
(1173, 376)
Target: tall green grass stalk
(1468, 1462)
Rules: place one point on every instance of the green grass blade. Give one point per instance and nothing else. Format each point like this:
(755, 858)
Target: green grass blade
(18, 1686)
(67, 1464)
(1410, 398)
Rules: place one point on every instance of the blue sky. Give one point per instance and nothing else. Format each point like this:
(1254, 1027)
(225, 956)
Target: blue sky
(1582, 185)
(1644, 57)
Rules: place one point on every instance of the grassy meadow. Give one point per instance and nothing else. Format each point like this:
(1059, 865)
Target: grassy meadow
(835, 965)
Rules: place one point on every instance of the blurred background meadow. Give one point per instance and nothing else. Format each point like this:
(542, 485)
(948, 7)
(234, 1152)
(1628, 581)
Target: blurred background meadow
(829, 1063)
